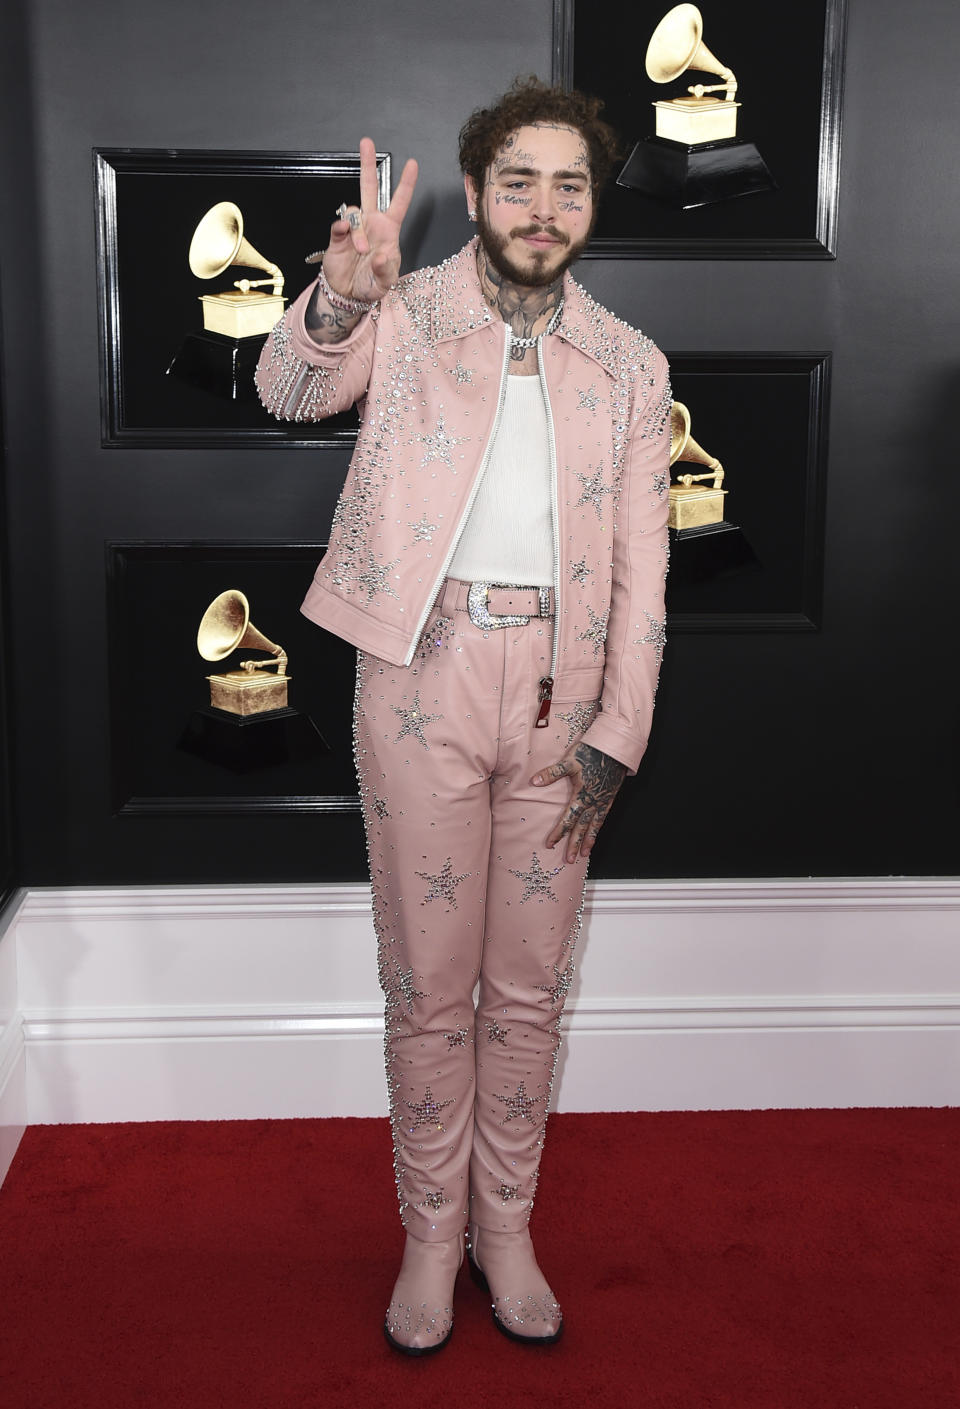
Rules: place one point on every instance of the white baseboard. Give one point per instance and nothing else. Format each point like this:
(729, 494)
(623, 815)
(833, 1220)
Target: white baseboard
(13, 1068)
(13, 1095)
(240, 1002)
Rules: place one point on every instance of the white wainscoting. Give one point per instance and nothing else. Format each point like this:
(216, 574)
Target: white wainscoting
(253, 1001)
(13, 1068)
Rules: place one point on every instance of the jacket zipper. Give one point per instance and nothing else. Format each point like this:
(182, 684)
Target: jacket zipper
(293, 395)
(545, 692)
(431, 600)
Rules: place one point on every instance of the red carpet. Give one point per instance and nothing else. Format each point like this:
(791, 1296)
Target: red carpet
(756, 1260)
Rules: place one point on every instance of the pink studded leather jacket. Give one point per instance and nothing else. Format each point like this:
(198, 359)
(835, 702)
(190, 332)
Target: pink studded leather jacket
(428, 367)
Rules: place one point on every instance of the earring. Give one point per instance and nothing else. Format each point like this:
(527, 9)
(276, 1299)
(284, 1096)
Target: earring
(471, 215)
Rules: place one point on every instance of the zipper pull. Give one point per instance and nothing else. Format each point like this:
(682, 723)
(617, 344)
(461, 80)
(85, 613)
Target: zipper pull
(545, 696)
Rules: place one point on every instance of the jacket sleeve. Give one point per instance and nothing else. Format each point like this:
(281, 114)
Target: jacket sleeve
(641, 548)
(300, 380)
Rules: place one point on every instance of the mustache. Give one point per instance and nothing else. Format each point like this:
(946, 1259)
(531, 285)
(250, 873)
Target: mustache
(522, 232)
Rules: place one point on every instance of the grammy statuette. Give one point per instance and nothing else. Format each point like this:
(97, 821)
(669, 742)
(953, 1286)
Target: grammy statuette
(221, 359)
(245, 310)
(248, 724)
(692, 503)
(705, 544)
(258, 685)
(695, 158)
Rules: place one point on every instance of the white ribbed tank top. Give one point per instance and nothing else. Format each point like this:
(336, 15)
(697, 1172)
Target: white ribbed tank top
(508, 536)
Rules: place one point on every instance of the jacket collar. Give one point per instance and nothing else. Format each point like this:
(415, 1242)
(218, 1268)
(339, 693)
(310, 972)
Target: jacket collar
(459, 309)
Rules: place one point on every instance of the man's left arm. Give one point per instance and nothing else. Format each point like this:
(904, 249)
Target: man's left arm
(615, 742)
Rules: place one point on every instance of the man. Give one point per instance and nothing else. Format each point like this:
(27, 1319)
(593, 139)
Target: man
(512, 432)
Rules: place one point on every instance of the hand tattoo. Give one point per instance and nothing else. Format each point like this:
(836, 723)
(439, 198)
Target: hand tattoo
(599, 783)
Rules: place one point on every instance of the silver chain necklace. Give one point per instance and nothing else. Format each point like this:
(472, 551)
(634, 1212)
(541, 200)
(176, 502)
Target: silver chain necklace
(532, 342)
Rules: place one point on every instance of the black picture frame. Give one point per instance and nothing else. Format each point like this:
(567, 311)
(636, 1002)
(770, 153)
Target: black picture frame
(791, 83)
(157, 592)
(765, 416)
(148, 203)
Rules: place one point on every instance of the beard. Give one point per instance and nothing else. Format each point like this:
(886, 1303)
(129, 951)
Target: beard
(540, 272)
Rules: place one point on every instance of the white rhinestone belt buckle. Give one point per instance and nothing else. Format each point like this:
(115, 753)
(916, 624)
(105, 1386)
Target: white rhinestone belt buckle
(478, 605)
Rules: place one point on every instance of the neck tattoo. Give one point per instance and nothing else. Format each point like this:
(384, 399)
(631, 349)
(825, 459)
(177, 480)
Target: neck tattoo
(527, 311)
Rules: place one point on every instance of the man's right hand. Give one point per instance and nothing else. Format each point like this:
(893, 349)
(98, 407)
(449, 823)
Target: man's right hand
(363, 258)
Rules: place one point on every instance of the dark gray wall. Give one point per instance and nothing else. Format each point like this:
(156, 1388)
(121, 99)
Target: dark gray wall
(21, 446)
(833, 753)
(8, 857)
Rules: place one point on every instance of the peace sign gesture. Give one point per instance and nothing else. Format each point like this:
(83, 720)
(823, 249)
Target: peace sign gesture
(363, 258)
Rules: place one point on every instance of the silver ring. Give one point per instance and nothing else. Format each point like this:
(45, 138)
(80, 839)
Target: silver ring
(352, 217)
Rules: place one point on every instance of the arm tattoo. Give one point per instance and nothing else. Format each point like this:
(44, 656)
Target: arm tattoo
(326, 324)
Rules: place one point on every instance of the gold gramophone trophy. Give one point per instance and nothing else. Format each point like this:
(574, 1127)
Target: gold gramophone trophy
(693, 503)
(706, 547)
(245, 310)
(236, 321)
(258, 685)
(696, 157)
(249, 724)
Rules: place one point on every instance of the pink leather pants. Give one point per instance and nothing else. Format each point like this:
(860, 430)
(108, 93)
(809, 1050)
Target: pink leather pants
(464, 888)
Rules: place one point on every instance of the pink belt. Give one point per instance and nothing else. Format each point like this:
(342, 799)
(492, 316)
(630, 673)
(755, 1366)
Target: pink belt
(495, 604)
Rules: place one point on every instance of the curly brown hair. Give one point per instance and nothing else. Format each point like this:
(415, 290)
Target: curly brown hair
(529, 100)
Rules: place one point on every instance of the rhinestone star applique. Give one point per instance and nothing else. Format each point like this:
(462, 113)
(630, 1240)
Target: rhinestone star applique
(440, 445)
(656, 636)
(433, 1198)
(577, 719)
(520, 1105)
(444, 885)
(458, 1038)
(423, 531)
(462, 374)
(496, 1033)
(592, 490)
(661, 483)
(559, 989)
(379, 806)
(536, 881)
(373, 578)
(507, 1192)
(427, 1111)
(579, 572)
(596, 632)
(589, 400)
(414, 721)
(401, 985)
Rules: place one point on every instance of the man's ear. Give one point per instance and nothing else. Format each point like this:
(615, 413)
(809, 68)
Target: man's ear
(472, 194)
